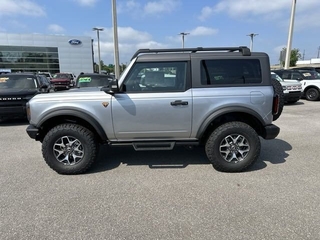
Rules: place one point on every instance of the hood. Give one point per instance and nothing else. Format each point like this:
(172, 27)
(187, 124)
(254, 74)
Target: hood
(293, 83)
(72, 96)
(311, 81)
(60, 80)
(17, 92)
(84, 89)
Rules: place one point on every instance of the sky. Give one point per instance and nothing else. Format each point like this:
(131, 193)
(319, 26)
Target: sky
(157, 23)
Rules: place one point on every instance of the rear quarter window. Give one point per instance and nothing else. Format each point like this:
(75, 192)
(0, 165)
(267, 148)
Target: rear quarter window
(231, 72)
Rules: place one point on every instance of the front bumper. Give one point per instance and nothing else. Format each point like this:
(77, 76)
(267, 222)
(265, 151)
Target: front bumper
(292, 96)
(32, 131)
(270, 131)
(12, 111)
(61, 86)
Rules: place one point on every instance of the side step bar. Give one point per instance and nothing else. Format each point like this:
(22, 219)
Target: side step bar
(160, 145)
(143, 146)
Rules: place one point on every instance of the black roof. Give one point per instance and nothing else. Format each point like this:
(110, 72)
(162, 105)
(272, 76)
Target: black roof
(243, 49)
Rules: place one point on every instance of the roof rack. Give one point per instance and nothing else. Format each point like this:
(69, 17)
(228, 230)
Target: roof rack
(243, 49)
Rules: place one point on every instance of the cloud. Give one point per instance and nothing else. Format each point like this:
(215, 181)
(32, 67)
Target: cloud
(278, 49)
(22, 7)
(203, 31)
(130, 40)
(161, 6)
(252, 7)
(128, 6)
(125, 35)
(310, 20)
(89, 3)
(128, 34)
(241, 8)
(54, 28)
(206, 12)
(150, 8)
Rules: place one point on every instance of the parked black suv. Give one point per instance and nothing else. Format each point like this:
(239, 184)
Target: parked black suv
(16, 89)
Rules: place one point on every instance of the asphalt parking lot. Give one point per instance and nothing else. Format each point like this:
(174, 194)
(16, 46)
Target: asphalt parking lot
(166, 195)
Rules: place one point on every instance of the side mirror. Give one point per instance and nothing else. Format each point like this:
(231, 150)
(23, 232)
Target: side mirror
(113, 87)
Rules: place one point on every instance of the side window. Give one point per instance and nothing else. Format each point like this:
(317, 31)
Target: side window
(286, 75)
(156, 77)
(230, 71)
(295, 76)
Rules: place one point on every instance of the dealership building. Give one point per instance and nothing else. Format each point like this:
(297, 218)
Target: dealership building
(45, 53)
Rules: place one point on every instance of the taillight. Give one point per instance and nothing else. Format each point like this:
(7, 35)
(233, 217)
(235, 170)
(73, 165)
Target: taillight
(276, 104)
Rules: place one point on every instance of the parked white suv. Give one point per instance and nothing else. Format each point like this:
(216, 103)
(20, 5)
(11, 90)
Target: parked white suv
(292, 90)
(309, 79)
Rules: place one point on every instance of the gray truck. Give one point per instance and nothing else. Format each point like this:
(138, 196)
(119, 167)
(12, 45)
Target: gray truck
(222, 99)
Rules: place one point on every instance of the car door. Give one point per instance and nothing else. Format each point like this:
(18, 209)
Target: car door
(155, 102)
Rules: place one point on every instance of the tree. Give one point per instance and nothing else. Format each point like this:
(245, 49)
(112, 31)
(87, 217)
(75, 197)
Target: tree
(108, 68)
(294, 57)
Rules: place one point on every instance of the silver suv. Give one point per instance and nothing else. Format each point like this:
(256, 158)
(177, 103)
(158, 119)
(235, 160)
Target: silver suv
(219, 98)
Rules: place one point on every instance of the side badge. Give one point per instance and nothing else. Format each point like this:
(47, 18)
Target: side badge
(105, 104)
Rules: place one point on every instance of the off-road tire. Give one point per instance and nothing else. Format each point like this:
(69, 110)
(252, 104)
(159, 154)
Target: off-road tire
(70, 131)
(312, 94)
(277, 87)
(216, 146)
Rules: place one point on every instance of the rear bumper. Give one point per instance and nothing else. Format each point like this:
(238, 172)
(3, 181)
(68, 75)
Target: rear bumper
(32, 131)
(270, 131)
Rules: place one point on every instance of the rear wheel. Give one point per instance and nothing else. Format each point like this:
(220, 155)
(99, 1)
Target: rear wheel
(69, 149)
(233, 147)
(312, 94)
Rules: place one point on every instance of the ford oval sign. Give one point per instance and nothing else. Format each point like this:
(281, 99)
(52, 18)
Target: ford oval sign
(75, 42)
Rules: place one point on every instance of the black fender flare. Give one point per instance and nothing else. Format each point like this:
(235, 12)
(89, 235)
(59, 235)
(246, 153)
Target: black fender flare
(205, 124)
(75, 113)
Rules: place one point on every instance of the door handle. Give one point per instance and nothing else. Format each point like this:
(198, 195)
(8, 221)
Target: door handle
(179, 102)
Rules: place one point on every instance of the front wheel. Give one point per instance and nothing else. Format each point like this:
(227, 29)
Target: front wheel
(312, 94)
(233, 147)
(69, 149)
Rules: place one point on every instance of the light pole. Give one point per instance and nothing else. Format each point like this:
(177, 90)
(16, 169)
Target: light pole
(252, 35)
(288, 53)
(98, 35)
(182, 35)
(115, 39)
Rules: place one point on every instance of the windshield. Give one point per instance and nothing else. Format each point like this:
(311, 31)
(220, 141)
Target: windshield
(17, 82)
(93, 81)
(60, 75)
(277, 77)
(46, 74)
